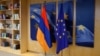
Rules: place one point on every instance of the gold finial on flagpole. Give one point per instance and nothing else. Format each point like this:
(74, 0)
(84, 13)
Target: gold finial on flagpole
(56, 10)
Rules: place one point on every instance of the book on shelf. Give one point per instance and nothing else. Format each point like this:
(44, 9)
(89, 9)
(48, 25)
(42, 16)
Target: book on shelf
(3, 35)
(8, 16)
(15, 16)
(16, 5)
(3, 7)
(6, 35)
(17, 36)
(5, 16)
(16, 46)
(5, 44)
(1, 26)
(16, 26)
(2, 16)
(10, 6)
(7, 26)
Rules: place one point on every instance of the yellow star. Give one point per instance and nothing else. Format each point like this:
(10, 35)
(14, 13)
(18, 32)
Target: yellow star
(36, 25)
(61, 20)
(60, 37)
(57, 34)
(35, 10)
(81, 27)
(64, 29)
(32, 16)
(57, 24)
(63, 34)
(63, 24)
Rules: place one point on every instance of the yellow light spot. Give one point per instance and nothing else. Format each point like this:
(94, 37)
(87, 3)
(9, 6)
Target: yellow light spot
(57, 24)
(63, 34)
(60, 37)
(64, 29)
(56, 29)
(63, 24)
(81, 27)
(61, 20)
(57, 34)
(35, 10)
(32, 16)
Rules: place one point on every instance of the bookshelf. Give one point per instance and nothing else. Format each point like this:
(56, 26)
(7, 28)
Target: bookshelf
(12, 36)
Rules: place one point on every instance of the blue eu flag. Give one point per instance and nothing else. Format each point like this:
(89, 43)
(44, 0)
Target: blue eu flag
(61, 34)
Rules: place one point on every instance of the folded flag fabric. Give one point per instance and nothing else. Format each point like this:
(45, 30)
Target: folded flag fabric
(43, 32)
(84, 37)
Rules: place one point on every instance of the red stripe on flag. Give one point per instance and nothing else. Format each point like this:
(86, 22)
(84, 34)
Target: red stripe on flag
(44, 17)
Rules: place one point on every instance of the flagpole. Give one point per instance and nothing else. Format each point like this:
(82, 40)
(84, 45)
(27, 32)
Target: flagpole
(43, 3)
(56, 10)
(57, 14)
(74, 22)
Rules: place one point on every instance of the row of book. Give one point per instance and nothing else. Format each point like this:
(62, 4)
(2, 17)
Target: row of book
(5, 25)
(16, 26)
(6, 35)
(6, 16)
(9, 6)
(9, 35)
(15, 16)
(17, 36)
(10, 26)
(3, 7)
(14, 46)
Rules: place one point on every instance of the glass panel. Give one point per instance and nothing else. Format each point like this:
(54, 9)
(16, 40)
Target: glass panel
(85, 10)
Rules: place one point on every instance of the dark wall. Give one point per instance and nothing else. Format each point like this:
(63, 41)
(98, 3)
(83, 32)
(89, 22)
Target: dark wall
(85, 10)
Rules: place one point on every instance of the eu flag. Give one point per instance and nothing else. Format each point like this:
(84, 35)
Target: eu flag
(61, 34)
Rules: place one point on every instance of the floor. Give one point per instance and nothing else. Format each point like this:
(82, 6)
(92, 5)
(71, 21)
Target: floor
(2, 53)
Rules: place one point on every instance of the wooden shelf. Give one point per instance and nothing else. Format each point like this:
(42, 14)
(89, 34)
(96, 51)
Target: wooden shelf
(16, 15)
(5, 29)
(16, 9)
(9, 19)
(6, 38)
(4, 10)
(3, 0)
(5, 19)
(16, 40)
(16, 19)
(6, 23)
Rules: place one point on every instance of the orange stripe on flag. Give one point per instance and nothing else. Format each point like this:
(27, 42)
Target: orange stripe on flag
(41, 39)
